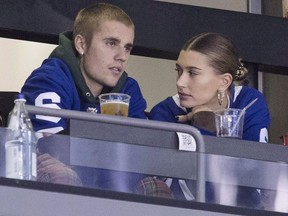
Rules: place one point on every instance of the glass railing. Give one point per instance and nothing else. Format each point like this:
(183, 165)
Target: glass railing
(147, 170)
(154, 169)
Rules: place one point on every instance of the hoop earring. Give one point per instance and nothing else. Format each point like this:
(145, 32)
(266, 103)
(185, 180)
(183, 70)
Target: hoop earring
(220, 97)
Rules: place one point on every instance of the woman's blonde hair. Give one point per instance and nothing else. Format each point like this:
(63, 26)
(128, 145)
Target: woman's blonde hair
(221, 53)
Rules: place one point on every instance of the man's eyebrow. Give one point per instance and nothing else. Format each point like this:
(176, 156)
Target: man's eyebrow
(130, 45)
(112, 39)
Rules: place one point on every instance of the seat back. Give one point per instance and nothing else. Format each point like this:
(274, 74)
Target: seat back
(6, 105)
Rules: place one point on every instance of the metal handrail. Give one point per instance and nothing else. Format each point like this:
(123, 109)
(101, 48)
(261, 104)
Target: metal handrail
(140, 123)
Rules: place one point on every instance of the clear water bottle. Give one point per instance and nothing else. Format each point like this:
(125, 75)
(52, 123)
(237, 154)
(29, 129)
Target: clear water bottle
(20, 143)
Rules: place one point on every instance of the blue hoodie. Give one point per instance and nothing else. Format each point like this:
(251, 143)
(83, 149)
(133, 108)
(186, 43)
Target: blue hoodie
(58, 83)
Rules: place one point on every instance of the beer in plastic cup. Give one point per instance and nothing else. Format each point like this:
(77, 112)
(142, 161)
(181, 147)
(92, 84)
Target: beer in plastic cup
(114, 104)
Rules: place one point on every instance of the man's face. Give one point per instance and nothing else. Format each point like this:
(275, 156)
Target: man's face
(104, 61)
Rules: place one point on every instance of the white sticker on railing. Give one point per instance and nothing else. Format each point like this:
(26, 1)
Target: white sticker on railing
(186, 142)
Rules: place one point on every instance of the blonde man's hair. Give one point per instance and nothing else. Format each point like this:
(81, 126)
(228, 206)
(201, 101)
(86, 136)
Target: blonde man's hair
(89, 19)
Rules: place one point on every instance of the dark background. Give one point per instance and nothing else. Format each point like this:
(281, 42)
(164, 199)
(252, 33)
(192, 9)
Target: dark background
(161, 28)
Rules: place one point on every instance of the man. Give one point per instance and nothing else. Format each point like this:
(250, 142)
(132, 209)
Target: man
(87, 62)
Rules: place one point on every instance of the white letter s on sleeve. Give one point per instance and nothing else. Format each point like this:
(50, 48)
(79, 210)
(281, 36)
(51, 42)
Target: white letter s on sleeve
(54, 98)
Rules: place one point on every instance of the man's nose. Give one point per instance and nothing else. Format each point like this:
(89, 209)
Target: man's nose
(122, 54)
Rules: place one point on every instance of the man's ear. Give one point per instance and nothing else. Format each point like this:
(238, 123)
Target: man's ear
(225, 81)
(80, 44)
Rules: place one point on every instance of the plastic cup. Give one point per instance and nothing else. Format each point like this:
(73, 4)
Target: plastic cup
(229, 123)
(114, 104)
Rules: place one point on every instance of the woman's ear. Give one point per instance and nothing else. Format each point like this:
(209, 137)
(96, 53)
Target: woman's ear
(80, 44)
(226, 80)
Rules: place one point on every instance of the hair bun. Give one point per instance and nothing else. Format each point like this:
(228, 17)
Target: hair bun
(241, 72)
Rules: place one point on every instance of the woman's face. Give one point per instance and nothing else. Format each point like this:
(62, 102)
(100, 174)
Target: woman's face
(197, 82)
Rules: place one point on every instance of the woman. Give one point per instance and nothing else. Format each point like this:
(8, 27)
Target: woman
(210, 77)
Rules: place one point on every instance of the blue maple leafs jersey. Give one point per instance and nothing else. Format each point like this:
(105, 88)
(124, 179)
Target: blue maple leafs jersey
(256, 120)
(58, 83)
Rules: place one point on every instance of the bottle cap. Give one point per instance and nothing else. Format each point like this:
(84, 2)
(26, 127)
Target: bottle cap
(20, 96)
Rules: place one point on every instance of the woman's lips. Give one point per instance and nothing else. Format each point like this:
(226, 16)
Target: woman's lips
(183, 96)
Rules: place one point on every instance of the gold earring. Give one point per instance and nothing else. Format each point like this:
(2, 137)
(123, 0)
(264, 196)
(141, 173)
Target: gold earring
(220, 96)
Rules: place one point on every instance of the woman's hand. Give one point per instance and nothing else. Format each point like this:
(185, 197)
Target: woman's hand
(189, 116)
(200, 117)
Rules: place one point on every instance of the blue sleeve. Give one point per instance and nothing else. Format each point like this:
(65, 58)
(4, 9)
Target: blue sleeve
(257, 118)
(166, 111)
(49, 86)
(137, 104)
(160, 113)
